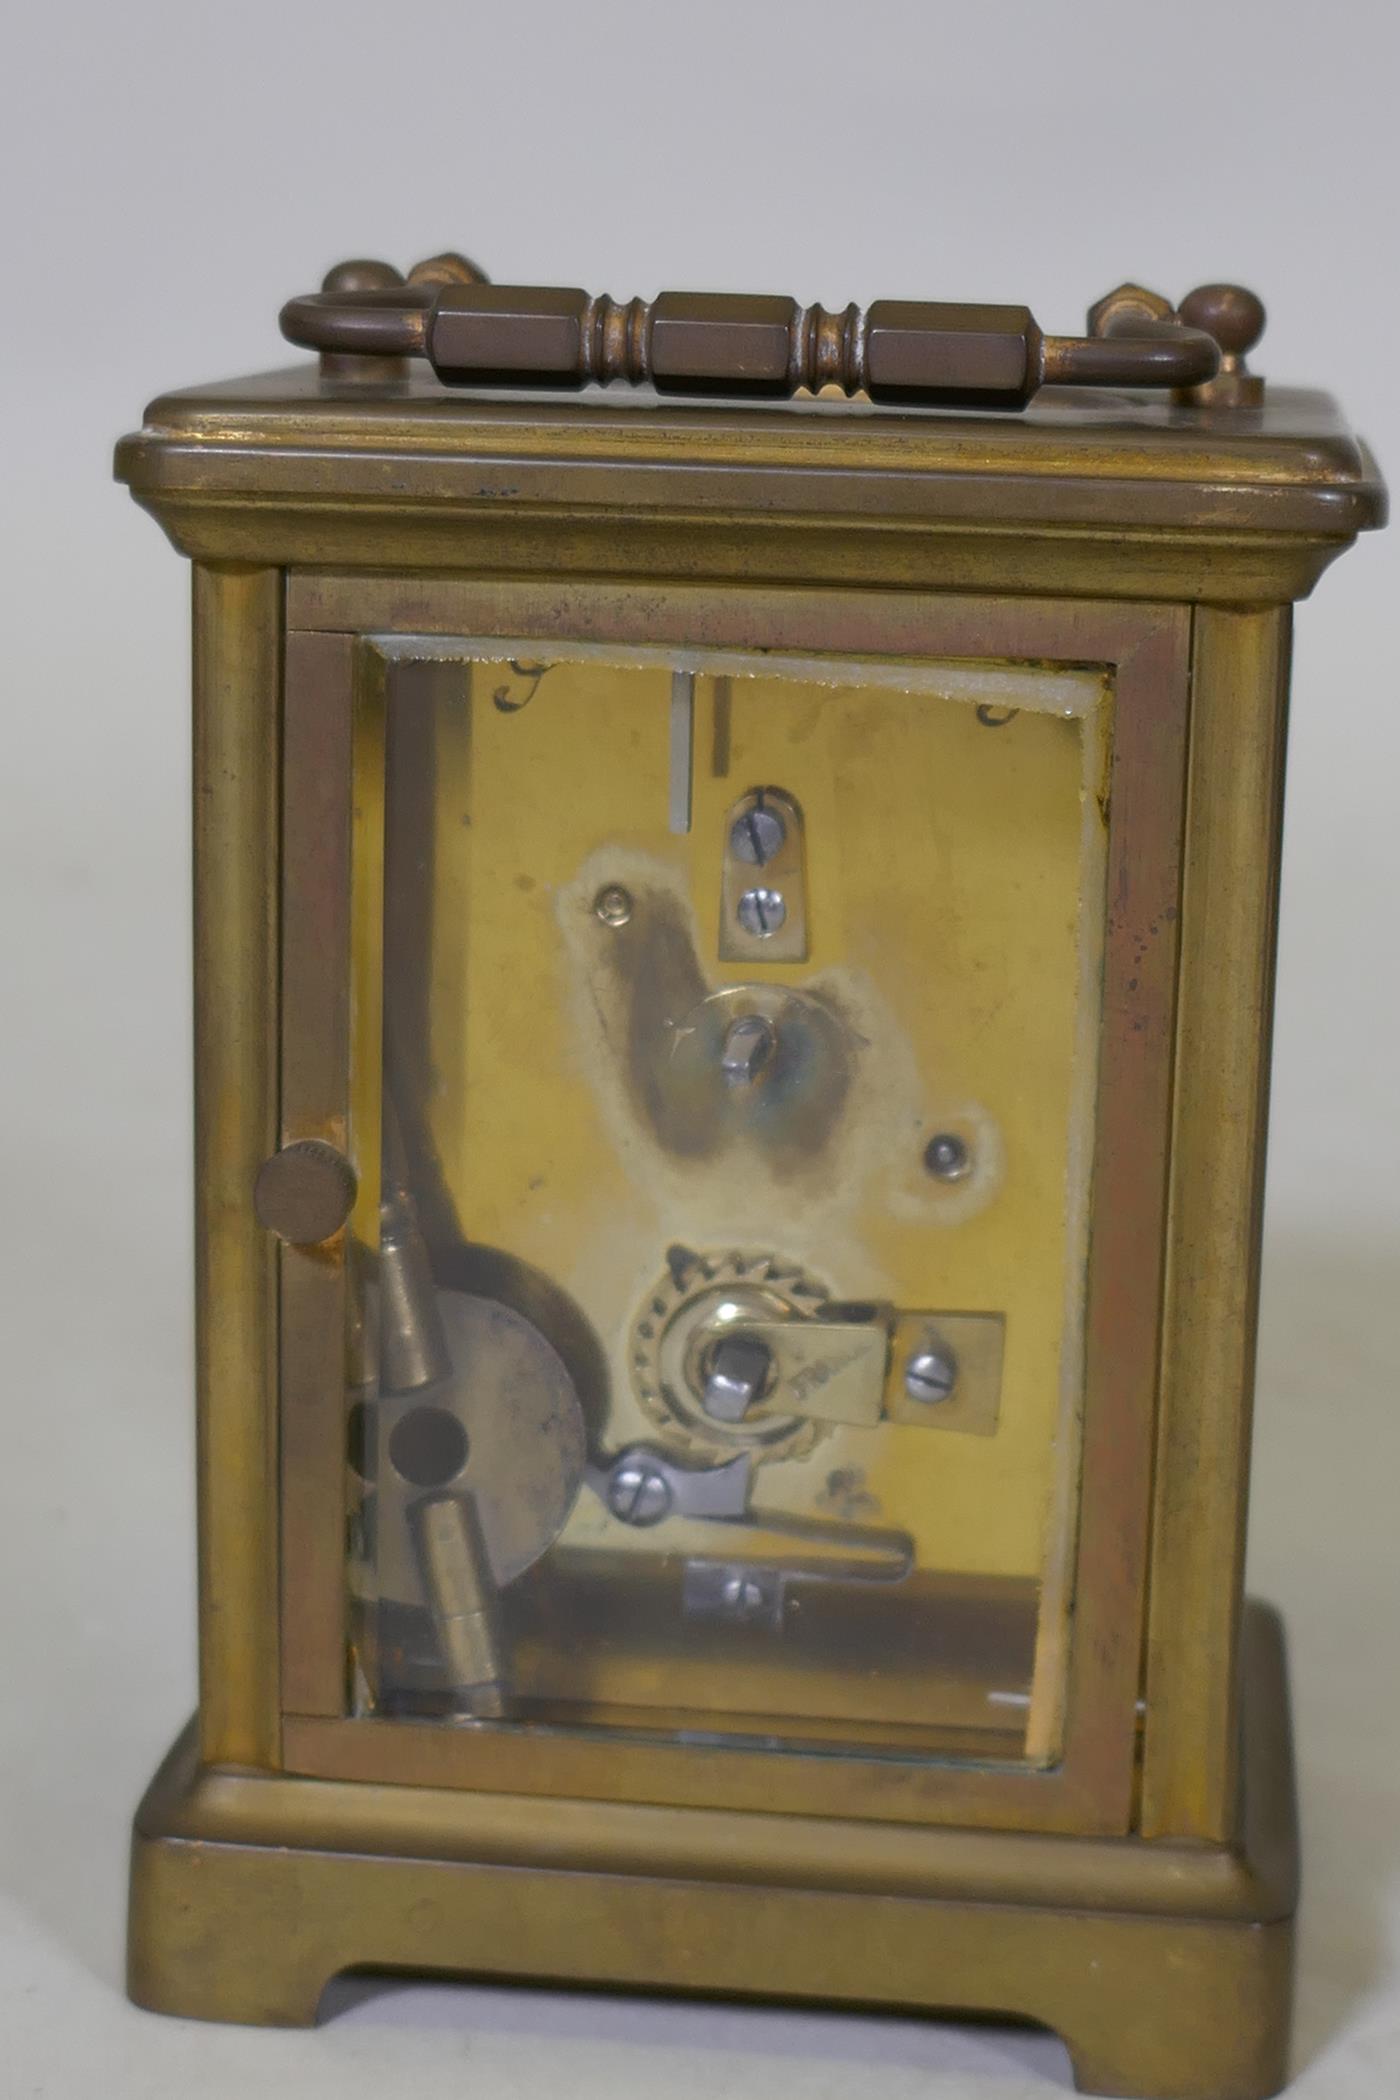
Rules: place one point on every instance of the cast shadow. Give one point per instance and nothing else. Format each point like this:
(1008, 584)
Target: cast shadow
(1323, 1547)
(872, 2042)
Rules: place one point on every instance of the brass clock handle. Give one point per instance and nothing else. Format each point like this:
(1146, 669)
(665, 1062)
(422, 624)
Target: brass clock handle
(911, 352)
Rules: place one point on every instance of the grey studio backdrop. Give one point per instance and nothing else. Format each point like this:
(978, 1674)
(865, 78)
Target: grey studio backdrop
(171, 174)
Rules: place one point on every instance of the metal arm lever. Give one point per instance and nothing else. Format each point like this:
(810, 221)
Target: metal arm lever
(643, 1487)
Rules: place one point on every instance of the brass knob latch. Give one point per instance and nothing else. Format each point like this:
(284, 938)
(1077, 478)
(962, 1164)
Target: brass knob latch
(305, 1192)
(1229, 314)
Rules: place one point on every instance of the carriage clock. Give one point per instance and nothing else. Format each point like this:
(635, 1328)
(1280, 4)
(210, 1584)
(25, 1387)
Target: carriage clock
(733, 962)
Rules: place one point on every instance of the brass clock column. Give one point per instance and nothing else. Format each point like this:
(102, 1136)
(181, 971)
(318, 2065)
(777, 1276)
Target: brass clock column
(734, 957)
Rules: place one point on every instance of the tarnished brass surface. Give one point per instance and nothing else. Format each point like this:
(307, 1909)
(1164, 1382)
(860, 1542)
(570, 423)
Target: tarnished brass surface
(1143, 500)
(1091, 1786)
(1235, 319)
(1233, 821)
(237, 735)
(918, 351)
(582, 1124)
(1103, 1850)
(1166, 1968)
(315, 950)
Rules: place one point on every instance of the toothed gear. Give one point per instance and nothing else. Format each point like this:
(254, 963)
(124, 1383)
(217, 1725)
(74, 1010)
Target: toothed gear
(699, 1295)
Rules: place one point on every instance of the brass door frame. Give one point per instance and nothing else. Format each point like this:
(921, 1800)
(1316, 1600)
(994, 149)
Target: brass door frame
(1220, 1096)
(237, 693)
(1145, 647)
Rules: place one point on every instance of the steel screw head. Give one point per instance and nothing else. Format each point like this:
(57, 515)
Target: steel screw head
(757, 835)
(743, 1597)
(739, 1369)
(947, 1157)
(613, 904)
(762, 912)
(931, 1373)
(749, 1043)
(638, 1493)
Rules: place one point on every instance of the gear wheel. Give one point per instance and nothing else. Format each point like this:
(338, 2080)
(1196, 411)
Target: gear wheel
(697, 1298)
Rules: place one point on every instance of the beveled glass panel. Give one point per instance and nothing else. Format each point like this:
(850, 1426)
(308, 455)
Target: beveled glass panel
(718, 1356)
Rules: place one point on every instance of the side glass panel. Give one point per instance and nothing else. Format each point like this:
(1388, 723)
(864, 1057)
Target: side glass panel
(723, 1060)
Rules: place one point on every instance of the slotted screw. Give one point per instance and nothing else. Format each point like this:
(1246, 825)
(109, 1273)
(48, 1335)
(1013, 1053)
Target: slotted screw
(762, 912)
(931, 1373)
(638, 1493)
(757, 835)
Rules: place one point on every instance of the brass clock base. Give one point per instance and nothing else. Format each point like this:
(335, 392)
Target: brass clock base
(1165, 1967)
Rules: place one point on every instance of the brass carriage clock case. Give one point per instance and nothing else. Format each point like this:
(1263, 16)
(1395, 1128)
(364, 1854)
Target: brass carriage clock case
(734, 949)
